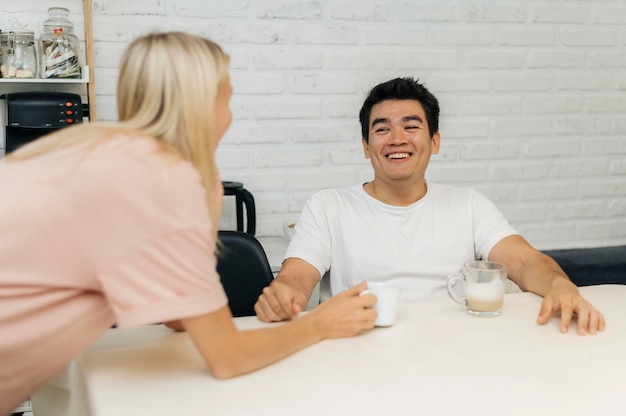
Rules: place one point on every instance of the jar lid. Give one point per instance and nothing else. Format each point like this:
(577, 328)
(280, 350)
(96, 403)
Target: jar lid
(58, 10)
(20, 33)
(58, 18)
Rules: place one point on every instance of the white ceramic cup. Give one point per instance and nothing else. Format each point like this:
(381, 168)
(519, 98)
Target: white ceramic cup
(483, 287)
(387, 303)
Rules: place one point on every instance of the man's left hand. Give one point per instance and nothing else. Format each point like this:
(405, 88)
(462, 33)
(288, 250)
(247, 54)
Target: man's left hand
(565, 297)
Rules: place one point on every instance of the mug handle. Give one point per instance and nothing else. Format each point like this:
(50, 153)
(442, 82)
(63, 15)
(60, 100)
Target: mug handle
(452, 280)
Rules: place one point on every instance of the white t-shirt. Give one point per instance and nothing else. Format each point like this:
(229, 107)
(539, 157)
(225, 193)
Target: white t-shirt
(355, 237)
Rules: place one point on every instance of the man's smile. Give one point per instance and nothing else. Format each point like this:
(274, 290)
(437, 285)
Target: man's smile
(403, 155)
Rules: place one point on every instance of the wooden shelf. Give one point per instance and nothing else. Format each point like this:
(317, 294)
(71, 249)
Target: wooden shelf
(88, 72)
(83, 80)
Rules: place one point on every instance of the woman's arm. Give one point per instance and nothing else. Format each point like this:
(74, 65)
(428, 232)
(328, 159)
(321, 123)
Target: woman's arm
(229, 352)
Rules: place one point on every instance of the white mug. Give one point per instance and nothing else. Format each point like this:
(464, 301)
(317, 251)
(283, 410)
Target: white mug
(483, 287)
(387, 303)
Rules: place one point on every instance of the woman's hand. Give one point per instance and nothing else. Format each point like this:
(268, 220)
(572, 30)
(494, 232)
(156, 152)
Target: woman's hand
(345, 314)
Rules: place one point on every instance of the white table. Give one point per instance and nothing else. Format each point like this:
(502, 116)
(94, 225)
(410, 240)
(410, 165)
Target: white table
(436, 360)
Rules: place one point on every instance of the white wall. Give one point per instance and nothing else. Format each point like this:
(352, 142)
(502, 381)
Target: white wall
(533, 96)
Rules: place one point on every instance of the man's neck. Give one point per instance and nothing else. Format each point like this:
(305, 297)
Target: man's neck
(396, 194)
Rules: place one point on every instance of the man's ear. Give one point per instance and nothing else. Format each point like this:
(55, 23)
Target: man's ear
(366, 151)
(435, 143)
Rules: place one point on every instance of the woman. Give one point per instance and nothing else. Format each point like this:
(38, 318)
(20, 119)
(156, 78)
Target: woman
(118, 224)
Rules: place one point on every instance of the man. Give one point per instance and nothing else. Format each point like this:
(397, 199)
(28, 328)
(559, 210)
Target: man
(401, 227)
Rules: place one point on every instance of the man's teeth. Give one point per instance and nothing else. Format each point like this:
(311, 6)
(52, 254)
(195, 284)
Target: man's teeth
(398, 155)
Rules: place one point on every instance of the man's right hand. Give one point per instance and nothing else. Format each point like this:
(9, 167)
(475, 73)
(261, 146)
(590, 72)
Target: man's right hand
(279, 301)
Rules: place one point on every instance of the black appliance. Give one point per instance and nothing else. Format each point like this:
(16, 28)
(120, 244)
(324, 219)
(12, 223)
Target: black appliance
(243, 199)
(31, 115)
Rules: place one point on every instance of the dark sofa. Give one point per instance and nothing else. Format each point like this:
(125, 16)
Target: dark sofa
(592, 266)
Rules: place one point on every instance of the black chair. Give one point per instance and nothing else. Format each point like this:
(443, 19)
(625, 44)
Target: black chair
(244, 270)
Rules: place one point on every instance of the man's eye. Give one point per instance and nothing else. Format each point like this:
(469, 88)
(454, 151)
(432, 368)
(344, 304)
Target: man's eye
(382, 130)
(412, 127)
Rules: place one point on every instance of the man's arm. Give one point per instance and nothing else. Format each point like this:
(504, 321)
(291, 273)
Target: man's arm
(289, 292)
(535, 272)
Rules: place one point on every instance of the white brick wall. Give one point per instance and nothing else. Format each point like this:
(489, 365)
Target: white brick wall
(532, 94)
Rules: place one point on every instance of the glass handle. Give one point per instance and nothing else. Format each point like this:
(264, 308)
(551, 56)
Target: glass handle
(452, 280)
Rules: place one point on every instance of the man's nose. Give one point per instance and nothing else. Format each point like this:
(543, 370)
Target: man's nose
(398, 136)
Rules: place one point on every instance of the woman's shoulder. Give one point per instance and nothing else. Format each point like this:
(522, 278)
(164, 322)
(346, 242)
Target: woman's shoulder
(138, 150)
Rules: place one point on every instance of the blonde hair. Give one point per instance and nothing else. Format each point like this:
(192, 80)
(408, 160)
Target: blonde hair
(167, 88)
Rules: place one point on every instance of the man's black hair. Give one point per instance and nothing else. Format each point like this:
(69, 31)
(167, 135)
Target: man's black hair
(406, 88)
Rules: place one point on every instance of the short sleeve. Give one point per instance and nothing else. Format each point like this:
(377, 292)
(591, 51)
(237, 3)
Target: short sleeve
(489, 224)
(311, 241)
(170, 277)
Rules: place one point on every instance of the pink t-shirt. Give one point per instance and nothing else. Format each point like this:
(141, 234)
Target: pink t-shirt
(120, 234)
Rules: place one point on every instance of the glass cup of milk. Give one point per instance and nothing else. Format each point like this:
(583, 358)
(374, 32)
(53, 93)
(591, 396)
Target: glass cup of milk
(483, 287)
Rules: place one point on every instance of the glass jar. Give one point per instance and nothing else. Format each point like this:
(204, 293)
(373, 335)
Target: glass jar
(60, 48)
(19, 59)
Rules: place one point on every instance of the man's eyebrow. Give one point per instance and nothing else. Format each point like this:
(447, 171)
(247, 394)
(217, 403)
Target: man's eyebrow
(413, 118)
(383, 120)
(380, 120)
